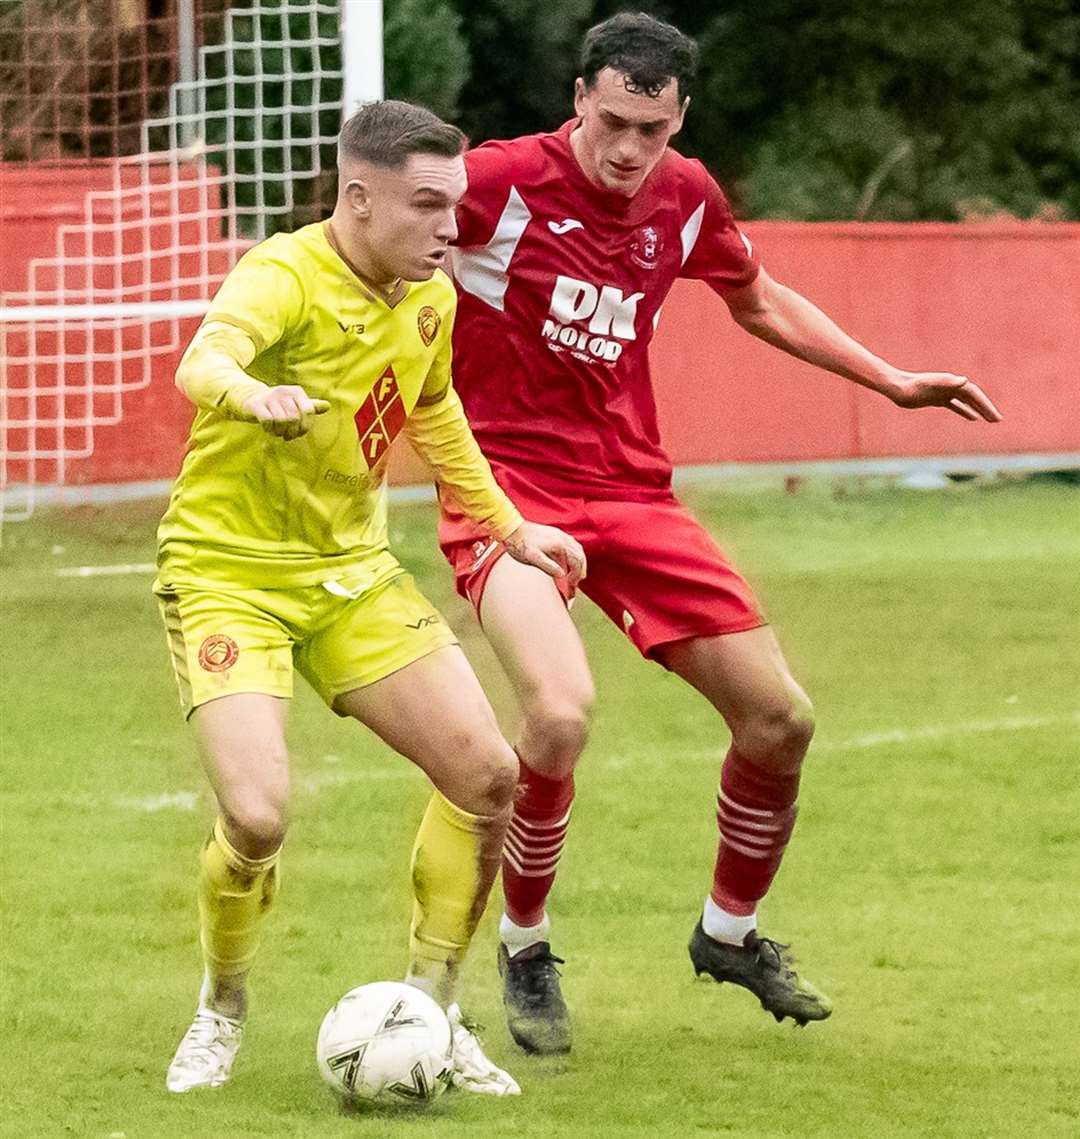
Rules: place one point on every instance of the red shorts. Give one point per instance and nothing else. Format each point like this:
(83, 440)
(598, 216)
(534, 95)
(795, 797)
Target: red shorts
(653, 569)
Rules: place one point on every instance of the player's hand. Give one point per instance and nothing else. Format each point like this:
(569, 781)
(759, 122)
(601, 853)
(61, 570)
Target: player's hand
(287, 411)
(549, 549)
(943, 389)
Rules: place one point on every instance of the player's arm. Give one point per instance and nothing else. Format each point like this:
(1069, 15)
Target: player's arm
(212, 375)
(257, 304)
(439, 431)
(787, 320)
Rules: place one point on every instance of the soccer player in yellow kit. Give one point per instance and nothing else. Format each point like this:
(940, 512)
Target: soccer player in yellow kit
(273, 555)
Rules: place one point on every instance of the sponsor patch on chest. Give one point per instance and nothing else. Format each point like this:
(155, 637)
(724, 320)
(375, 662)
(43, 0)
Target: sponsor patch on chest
(591, 321)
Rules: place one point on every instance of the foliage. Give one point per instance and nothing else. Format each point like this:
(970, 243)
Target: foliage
(426, 55)
(904, 109)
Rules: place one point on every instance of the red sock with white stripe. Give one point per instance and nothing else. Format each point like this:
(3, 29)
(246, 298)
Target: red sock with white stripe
(534, 843)
(756, 810)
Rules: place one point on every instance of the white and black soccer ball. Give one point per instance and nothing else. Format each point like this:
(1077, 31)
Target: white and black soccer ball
(386, 1042)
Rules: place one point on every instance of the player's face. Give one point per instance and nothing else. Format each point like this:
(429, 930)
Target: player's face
(624, 131)
(405, 217)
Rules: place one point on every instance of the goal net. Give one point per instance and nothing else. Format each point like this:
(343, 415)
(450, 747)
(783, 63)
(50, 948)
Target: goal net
(145, 145)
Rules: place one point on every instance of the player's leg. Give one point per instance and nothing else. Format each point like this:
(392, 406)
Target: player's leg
(434, 713)
(745, 677)
(242, 745)
(238, 683)
(241, 741)
(525, 619)
(388, 659)
(665, 582)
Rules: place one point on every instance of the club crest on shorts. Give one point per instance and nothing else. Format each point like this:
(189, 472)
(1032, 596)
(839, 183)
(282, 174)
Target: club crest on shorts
(218, 653)
(428, 321)
(646, 246)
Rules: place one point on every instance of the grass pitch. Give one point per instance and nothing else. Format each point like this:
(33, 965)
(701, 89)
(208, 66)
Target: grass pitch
(931, 887)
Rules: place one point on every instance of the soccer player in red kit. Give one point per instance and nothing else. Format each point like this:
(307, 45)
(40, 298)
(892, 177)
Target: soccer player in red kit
(568, 245)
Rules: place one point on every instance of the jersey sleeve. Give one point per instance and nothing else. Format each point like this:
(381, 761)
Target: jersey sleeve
(262, 295)
(721, 255)
(478, 213)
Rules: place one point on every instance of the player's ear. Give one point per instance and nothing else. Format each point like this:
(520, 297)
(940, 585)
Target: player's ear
(580, 91)
(358, 197)
(682, 115)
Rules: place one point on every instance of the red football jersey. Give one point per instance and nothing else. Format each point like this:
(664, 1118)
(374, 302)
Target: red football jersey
(560, 285)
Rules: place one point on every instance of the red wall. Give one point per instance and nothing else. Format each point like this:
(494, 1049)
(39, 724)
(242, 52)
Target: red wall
(998, 302)
(136, 243)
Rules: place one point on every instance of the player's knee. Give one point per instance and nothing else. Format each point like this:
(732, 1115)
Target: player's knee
(256, 823)
(492, 779)
(778, 736)
(555, 732)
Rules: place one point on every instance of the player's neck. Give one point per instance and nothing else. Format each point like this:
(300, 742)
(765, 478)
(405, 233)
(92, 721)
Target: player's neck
(355, 257)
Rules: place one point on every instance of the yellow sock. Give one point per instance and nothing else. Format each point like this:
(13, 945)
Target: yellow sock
(454, 862)
(235, 894)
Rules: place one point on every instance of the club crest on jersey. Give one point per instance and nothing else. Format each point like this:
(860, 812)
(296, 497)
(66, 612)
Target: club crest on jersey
(380, 417)
(428, 321)
(646, 246)
(218, 653)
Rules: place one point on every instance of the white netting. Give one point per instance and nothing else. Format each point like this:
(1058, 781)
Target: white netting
(243, 148)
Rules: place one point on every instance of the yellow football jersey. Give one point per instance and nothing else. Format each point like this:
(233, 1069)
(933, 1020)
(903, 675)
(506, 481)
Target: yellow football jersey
(251, 508)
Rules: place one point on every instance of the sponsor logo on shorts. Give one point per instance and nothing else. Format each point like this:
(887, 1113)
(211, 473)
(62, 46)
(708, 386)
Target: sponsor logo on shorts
(431, 619)
(482, 550)
(627, 620)
(218, 653)
(428, 321)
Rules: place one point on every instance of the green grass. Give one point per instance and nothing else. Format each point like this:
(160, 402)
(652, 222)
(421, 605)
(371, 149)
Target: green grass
(931, 887)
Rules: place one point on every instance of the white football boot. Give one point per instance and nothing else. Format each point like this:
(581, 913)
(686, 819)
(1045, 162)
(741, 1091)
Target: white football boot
(205, 1056)
(472, 1070)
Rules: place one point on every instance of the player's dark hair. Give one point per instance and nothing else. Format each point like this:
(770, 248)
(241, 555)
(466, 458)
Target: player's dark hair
(387, 132)
(647, 51)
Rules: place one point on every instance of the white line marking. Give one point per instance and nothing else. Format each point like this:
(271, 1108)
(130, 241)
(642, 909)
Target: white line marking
(314, 783)
(944, 731)
(106, 571)
(871, 740)
(151, 804)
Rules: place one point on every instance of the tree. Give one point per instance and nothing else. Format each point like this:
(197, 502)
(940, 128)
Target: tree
(426, 55)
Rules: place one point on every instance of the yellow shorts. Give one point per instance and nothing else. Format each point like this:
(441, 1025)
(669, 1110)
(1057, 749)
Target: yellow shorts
(224, 641)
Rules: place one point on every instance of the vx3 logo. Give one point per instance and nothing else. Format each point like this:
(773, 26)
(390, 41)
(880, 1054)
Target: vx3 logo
(565, 226)
(423, 622)
(355, 329)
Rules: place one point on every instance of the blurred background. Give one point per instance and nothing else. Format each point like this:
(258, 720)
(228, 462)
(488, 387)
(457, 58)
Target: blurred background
(913, 167)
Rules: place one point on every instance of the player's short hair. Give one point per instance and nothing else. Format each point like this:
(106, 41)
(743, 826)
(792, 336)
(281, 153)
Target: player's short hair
(385, 133)
(647, 51)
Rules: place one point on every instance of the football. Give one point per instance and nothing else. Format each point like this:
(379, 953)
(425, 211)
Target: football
(386, 1043)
